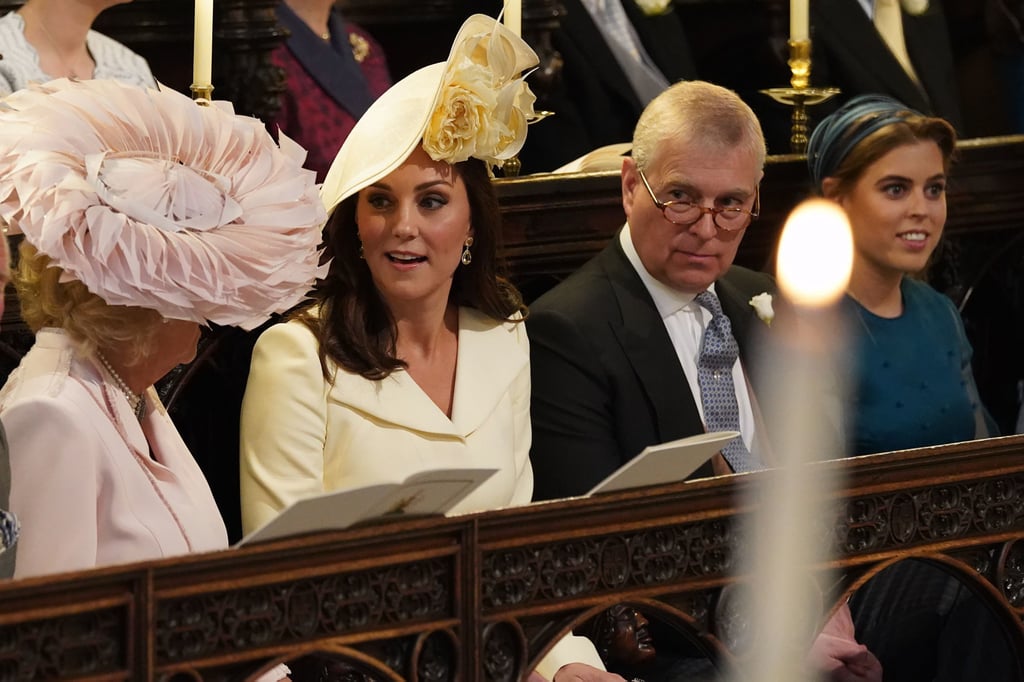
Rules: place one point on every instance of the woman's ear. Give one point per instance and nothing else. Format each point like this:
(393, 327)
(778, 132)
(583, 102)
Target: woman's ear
(830, 188)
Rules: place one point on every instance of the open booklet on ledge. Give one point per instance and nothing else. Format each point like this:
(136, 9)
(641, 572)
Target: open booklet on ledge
(427, 492)
(666, 462)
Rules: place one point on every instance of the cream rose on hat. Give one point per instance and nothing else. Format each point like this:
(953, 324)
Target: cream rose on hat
(474, 105)
(152, 201)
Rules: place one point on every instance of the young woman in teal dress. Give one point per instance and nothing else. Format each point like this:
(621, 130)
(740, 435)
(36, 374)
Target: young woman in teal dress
(886, 165)
(911, 379)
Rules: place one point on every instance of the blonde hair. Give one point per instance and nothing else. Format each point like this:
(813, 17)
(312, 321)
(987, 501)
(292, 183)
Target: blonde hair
(90, 321)
(699, 113)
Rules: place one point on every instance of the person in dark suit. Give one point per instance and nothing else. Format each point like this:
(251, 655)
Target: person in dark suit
(602, 89)
(615, 348)
(850, 53)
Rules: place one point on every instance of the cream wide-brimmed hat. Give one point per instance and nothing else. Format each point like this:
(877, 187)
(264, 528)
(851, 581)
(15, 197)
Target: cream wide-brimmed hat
(476, 104)
(151, 200)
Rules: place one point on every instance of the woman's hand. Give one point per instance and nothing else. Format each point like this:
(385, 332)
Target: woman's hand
(837, 655)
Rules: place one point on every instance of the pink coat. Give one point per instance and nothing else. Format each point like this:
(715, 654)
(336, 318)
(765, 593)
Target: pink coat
(86, 486)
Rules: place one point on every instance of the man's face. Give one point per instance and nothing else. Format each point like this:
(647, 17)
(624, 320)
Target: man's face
(688, 258)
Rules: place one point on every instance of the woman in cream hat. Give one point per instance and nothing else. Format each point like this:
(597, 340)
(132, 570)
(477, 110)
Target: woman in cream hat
(144, 216)
(413, 355)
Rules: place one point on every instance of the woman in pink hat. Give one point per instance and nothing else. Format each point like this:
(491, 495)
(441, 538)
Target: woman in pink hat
(144, 217)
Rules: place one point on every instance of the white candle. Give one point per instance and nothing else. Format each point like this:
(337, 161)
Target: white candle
(799, 20)
(514, 16)
(805, 390)
(202, 56)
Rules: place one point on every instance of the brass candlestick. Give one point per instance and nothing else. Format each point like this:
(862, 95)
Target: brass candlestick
(799, 95)
(202, 94)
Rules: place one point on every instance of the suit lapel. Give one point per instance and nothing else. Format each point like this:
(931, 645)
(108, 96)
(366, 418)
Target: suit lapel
(933, 62)
(647, 346)
(849, 32)
(336, 71)
(581, 27)
(663, 38)
(736, 306)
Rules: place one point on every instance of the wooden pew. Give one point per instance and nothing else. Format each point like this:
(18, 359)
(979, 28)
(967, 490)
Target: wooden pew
(482, 597)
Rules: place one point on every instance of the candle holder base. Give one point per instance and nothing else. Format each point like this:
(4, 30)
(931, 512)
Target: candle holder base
(800, 99)
(202, 94)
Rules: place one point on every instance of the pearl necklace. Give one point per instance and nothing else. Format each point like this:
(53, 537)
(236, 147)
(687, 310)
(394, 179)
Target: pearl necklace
(135, 401)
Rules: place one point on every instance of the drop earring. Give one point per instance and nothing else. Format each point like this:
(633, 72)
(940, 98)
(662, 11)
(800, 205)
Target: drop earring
(467, 257)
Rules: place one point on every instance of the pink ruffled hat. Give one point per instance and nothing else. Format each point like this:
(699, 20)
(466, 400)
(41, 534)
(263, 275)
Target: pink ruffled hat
(150, 200)
(476, 104)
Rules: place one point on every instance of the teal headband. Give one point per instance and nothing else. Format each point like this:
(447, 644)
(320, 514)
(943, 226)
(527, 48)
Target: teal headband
(845, 128)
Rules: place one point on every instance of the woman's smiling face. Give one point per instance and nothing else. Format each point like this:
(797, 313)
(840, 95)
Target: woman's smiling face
(897, 208)
(413, 225)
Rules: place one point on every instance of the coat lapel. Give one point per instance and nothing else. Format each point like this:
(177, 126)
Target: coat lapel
(333, 68)
(489, 360)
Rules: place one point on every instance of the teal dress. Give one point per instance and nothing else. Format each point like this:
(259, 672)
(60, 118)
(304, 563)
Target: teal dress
(911, 375)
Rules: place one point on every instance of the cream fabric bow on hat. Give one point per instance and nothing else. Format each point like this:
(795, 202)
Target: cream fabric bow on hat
(476, 104)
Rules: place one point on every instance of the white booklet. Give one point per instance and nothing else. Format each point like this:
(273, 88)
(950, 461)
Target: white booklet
(427, 492)
(666, 462)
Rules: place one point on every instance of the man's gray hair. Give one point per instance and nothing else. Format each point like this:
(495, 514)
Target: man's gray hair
(701, 113)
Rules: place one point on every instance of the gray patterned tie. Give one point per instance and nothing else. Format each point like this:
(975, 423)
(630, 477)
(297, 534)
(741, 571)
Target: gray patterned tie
(718, 353)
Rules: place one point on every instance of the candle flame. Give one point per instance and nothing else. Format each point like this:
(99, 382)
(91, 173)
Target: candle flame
(815, 254)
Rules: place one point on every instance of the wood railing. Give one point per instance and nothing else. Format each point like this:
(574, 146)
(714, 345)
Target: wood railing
(481, 597)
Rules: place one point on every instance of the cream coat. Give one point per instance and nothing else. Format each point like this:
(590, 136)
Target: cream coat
(91, 485)
(303, 436)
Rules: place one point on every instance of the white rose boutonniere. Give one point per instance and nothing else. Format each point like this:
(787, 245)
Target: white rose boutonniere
(653, 8)
(762, 304)
(915, 7)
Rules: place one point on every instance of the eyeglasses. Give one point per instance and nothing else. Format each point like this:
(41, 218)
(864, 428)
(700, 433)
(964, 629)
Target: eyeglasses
(687, 213)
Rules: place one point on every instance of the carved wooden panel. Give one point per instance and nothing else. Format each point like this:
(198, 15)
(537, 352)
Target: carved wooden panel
(481, 597)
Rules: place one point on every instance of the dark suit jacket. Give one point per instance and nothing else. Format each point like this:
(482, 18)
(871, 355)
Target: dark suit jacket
(593, 101)
(606, 379)
(850, 54)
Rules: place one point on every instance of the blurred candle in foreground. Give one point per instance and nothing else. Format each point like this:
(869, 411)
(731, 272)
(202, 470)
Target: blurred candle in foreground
(514, 16)
(202, 45)
(815, 254)
(789, 535)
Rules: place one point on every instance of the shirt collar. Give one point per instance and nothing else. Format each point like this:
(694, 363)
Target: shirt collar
(667, 300)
